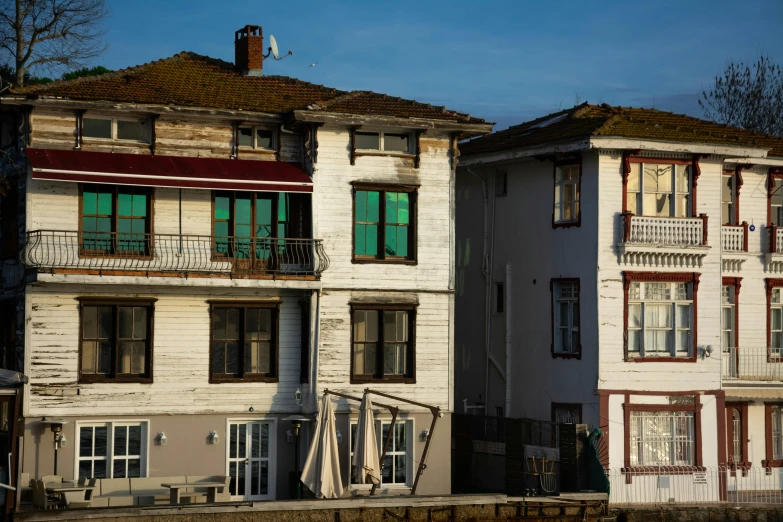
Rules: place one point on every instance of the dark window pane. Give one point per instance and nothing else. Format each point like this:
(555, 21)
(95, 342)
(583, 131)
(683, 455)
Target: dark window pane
(232, 449)
(245, 135)
(126, 322)
(218, 357)
(120, 440)
(131, 130)
(119, 469)
(105, 203)
(95, 128)
(222, 207)
(403, 208)
(400, 471)
(134, 468)
(232, 323)
(139, 205)
(264, 138)
(386, 476)
(101, 441)
(104, 358)
(139, 322)
(368, 141)
(99, 469)
(89, 202)
(396, 142)
(242, 208)
(219, 323)
(373, 206)
(85, 442)
(134, 440)
(232, 358)
(90, 322)
(85, 468)
(105, 320)
(124, 204)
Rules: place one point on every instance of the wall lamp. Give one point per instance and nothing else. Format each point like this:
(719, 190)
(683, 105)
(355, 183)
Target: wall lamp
(705, 351)
(213, 437)
(162, 439)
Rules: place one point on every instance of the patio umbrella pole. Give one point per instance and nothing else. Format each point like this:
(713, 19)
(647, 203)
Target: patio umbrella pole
(386, 446)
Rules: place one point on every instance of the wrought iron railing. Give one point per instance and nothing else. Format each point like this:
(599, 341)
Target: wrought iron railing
(752, 364)
(734, 238)
(664, 231)
(233, 256)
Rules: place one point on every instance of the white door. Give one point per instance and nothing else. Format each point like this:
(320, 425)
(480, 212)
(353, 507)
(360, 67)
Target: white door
(251, 463)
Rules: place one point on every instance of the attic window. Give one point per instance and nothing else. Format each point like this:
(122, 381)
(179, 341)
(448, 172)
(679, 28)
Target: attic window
(384, 141)
(115, 129)
(546, 123)
(256, 138)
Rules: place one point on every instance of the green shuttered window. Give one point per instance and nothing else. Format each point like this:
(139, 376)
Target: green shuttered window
(383, 224)
(115, 220)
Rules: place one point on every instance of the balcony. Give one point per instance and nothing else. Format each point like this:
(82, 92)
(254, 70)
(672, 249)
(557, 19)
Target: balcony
(734, 245)
(774, 256)
(663, 241)
(754, 364)
(172, 254)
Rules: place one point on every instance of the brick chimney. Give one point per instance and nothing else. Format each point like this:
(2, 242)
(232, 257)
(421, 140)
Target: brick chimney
(249, 50)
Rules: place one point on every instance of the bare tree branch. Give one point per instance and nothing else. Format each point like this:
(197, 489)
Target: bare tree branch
(50, 34)
(745, 96)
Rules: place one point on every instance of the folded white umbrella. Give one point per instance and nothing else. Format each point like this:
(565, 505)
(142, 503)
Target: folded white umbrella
(321, 473)
(365, 453)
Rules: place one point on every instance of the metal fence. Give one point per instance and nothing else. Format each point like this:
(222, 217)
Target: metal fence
(235, 256)
(683, 485)
(752, 363)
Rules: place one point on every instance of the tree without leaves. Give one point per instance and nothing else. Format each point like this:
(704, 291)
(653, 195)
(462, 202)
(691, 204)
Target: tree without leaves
(46, 34)
(745, 96)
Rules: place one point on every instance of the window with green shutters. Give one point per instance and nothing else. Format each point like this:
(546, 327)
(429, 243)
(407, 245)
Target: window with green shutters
(115, 220)
(383, 223)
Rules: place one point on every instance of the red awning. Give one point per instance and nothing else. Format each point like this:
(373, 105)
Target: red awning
(167, 171)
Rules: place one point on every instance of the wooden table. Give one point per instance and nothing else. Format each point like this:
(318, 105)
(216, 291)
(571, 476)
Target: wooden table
(175, 488)
(70, 492)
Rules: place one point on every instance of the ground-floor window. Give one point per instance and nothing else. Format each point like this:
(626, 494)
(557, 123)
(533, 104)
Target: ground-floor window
(398, 465)
(664, 438)
(112, 450)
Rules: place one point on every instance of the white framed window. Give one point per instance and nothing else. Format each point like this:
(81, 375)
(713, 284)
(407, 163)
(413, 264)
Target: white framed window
(660, 315)
(111, 449)
(659, 190)
(776, 202)
(567, 193)
(115, 129)
(399, 466)
(565, 311)
(728, 200)
(384, 141)
(255, 137)
(728, 304)
(777, 432)
(662, 438)
(776, 322)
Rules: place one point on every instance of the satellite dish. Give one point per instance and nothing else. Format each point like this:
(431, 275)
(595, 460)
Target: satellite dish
(273, 46)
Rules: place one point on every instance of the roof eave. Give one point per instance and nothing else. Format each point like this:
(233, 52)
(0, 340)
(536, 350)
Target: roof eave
(359, 120)
(467, 159)
(622, 143)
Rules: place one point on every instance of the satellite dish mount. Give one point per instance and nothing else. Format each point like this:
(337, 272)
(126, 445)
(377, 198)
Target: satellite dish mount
(273, 49)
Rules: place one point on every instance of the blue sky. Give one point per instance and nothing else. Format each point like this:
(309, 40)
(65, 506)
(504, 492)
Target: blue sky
(503, 61)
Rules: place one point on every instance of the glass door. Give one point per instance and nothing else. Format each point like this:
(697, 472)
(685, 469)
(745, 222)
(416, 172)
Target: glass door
(250, 464)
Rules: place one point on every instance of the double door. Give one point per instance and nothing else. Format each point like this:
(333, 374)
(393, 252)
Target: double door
(251, 460)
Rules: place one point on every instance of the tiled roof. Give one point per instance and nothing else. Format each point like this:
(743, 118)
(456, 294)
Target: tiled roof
(189, 79)
(586, 121)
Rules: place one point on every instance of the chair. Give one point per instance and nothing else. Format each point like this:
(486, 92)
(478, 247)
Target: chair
(42, 500)
(87, 493)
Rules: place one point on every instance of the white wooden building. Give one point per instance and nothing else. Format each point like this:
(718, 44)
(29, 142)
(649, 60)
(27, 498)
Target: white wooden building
(193, 251)
(627, 267)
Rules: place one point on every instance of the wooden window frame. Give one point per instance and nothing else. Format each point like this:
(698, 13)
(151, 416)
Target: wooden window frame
(413, 192)
(662, 277)
(745, 464)
(274, 376)
(552, 282)
(695, 407)
(737, 181)
(769, 461)
(567, 163)
(411, 310)
(735, 282)
(772, 177)
(631, 157)
(114, 129)
(567, 405)
(769, 285)
(150, 352)
(150, 229)
(275, 138)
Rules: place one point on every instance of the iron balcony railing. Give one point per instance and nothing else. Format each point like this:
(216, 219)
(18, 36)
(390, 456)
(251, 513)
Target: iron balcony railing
(232, 256)
(752, 364)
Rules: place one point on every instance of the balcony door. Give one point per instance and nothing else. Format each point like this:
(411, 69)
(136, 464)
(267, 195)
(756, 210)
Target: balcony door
(251, 450)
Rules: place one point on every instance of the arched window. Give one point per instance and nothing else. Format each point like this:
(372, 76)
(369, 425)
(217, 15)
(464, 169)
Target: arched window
(736, 442)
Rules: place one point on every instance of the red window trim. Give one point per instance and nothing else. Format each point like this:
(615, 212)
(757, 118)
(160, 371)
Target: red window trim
(769, 284)
(745, 464)
(570, 405)
(629, 407)
(738, 182)
(774, 174)
(770, 461)
(557, 355)
(562, 163)
(661, 277)
(632, 156)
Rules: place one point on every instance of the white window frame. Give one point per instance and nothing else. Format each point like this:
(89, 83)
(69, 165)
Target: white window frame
(560, 193)
(382, 141)
(732, 203)
(412, 464)
(728, 304)
(776, 305)
(114, 119)
(254, 146)
(637, 297)
(111, 425)
(776, 207)
(560, 326)
(639, 194)
(656, 431)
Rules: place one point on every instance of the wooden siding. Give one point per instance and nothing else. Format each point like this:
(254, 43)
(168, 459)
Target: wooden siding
(181, 357)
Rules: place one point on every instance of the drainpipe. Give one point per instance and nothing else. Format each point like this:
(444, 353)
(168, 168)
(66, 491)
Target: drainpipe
(486, 270)
(508, 339)
(311, 404)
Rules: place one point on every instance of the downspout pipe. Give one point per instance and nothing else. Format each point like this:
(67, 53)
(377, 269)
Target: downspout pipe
(509, 338)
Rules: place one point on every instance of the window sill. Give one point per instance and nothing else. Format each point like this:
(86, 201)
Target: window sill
(559, 355)
(245, 148)
(392, 261)
(772, 463)
(567, 224)
(89, 379)
(213, 379)
(383, 380)
(661, 359)
(632, 471)
(369, 152)
(86, 140)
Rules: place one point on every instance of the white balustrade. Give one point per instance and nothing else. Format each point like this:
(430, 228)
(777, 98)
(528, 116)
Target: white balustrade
(755, 363)
(732, 238)
(779, 240)
(666, 231)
